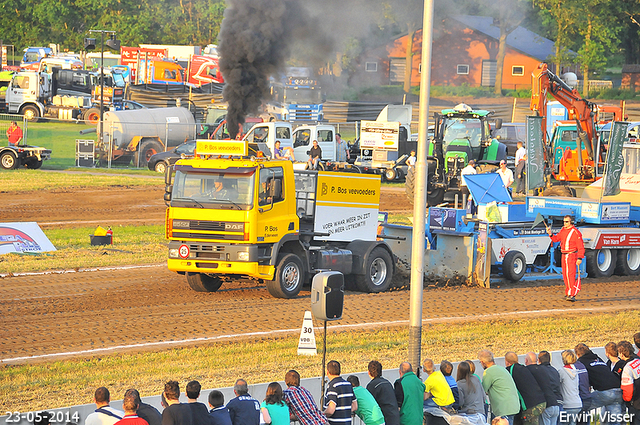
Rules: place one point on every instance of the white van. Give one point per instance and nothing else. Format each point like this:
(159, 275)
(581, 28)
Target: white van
(47, 64)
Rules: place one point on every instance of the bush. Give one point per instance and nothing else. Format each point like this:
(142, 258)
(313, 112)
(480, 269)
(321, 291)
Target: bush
(612, 94)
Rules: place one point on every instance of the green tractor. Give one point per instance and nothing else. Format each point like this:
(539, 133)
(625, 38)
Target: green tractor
(461, 134)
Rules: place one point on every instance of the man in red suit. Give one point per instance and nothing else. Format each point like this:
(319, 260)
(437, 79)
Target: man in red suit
(572, 249)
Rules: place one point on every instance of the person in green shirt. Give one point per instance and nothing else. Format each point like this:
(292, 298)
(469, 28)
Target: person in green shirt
(410, 396)
(274, 410)
(368, 409)
(499, 385)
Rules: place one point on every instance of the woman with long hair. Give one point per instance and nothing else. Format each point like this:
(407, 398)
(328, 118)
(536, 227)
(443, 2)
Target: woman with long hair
(274, 410)
(471, 394)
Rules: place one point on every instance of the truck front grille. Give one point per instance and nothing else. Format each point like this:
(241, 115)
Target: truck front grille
(195, 235)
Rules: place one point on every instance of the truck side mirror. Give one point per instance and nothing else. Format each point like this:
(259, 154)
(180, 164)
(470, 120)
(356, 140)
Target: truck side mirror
(498, 123)
(167, 176)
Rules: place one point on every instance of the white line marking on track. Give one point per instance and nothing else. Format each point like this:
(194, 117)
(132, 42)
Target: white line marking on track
(297, 330)
(89, 269)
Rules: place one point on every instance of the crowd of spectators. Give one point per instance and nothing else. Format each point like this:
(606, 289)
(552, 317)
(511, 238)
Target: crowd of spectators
(585, 388)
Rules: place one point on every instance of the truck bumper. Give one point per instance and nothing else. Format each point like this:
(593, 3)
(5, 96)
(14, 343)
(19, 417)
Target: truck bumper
(222, 267)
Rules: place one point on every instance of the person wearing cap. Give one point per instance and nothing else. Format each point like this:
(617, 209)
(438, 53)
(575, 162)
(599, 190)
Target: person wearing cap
(469, 169)
(506, 175)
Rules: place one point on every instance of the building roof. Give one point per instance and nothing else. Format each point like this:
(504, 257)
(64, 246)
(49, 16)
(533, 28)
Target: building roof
(520, 39)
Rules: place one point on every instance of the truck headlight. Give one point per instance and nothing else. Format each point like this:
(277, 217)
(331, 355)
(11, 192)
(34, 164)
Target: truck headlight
(243, 256)
(173, 253)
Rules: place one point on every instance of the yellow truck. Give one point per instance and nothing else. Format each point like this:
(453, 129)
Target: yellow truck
(233, 216)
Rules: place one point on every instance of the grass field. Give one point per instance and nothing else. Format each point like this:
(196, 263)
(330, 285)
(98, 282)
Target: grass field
(72, 382)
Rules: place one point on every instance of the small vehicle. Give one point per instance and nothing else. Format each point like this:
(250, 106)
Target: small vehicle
(162, 160)
(31, 157)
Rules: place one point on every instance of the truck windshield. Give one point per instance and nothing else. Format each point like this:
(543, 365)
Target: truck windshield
(213, 190)
(302, 95)
(462, 128)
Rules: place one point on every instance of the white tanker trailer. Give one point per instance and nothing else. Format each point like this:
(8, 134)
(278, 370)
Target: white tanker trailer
(138, 134)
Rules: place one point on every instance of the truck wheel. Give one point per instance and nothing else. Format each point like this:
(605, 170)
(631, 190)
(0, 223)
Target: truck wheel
(160, 167)
(30, 112)
(289, 277)
(514, 265)
(390, 174)
(378, 272)
(601, 262)
(201, 282)
(146, 151)
(92, 115)
(628, 262)
(33, 163)
(8, 160)
(435, 197)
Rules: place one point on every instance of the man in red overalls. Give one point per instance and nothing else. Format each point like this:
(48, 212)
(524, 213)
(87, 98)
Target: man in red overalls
(572, 249)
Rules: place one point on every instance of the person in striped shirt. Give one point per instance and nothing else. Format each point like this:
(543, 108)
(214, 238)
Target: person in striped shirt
(339, 400)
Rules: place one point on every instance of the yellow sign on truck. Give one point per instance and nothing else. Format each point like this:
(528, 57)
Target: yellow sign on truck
(239, 217)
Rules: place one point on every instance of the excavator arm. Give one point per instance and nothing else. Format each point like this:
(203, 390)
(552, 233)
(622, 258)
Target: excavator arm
(583, 111)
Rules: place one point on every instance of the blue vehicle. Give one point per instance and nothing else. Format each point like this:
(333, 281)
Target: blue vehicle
(296, 96)
(32, 57)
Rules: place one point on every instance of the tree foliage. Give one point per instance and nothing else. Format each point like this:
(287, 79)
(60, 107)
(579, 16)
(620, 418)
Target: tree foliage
(66, 22)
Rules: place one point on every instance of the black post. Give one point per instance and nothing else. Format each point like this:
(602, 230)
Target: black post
(324, 362)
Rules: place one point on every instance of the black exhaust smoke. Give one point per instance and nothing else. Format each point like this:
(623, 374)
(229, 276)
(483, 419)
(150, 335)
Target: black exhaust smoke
(256, 39)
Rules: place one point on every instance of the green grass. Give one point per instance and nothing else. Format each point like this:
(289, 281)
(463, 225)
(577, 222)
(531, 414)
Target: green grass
(71, 382)
(131, 245)
(60, 137)
(33, 180)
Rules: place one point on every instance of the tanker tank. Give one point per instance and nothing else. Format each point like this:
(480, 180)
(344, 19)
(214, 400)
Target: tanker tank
(139, 134)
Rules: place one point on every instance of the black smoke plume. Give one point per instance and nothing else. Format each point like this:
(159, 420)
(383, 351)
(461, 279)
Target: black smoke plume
(256, 39)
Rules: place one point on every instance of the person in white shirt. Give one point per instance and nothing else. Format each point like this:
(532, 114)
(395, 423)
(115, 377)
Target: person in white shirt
(469, 169)
(521, 162)
(506, 175)
(411, 161)
(104, 414)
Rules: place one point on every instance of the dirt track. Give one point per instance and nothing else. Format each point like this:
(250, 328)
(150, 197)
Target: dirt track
(63, 313)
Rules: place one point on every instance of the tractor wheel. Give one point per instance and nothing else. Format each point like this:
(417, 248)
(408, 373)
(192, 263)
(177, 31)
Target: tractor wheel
(409, 184)
(201, 282)
(146, 150)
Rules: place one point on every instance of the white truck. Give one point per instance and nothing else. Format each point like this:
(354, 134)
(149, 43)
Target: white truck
(300, 140)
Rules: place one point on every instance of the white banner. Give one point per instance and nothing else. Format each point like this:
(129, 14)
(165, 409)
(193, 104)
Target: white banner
(379, 135)
(23, 237)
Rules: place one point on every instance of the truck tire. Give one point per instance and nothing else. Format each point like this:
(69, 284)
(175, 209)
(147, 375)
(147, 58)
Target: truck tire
(161, 167)
(30, 112)
(514, 266)
(201, 282)
(92, 115)
(9, 160)
(378, 272)
(146, 150)
(628, 262)
(601, 262)
(289, 277)
(33, 163)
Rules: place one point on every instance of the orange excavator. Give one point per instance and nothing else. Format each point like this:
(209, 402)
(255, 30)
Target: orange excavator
(570, 159)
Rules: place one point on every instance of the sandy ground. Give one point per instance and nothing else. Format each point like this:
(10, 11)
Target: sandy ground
(150, 308)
